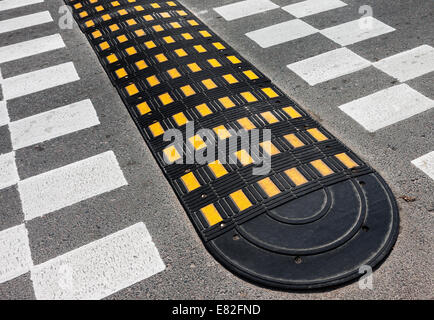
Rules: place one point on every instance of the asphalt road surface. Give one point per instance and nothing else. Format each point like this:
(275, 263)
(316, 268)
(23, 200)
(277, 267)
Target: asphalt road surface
(63, 125)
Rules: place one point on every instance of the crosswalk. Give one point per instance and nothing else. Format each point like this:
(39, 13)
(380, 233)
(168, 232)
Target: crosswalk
(373, 112)
(99, 268)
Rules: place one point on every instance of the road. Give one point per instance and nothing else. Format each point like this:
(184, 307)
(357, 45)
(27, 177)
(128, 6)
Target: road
(78, 184)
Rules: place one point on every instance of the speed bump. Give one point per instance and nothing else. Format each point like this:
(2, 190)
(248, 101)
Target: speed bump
(312, 221)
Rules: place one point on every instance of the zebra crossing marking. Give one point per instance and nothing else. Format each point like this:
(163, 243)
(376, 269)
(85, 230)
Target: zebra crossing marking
(26, 21)
(425, 163)
(328, 66)
(13, 4)
(245, 8)
(409, 64)
(39, 80)
(311, 7)
(73, 183)
(15, 256)
(4, 115)
(386, 107)
(357, 30)
(31, 47)
(281, 32)
(8, 170)
(54, 123)
(99, 268)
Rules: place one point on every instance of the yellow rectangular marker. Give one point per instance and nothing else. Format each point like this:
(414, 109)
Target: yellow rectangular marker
(296, 176)
(318, 135)
(150, 44)
(269, 148)
(131, 51)
(321, 167)
(240, 200)
(248, 96)
(227, 102)
(230, 78)
(114, 27)
(214, 63)
(141, 64)
(209, 84)
(217, 169)
(171, 154)
(180, 119)
(187, 36)
(122, 38)
(244, 157)
(222, 132)
(165, 98)
(197, 142)
(294, 140)
(153, 81)
(181, 53)
(251, 75)
(211, 215)
(121, 73)
(234, 59)
(156, 129)
(199, 48)
(190, 181)
(168, 39)
(173, 73)
(270, 92)
(346, 160)
(246, 124)
(187, 90)
(268, 187)
(140, 32)
(132, 89)
(218, 46)
(194, 67)
(157, 28)
(269, 117)
(292, 112)
(143, 108)
(203, 109)
(161, 57)
(205, 34)
(112, 58)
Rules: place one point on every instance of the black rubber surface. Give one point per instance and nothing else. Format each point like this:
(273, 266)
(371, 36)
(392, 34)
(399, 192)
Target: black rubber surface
(312, 221)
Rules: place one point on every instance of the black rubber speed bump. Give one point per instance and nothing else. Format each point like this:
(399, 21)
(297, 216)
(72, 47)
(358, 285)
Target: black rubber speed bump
(312, 221)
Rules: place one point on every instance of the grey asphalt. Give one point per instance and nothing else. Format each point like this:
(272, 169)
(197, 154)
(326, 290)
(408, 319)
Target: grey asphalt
(191, 272)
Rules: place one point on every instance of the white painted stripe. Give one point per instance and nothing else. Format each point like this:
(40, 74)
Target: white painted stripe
(25, 21)
(52, 124)
(100, 268)
(281, 32)
(329, 65)
(357, 30)
(8, 170)
(30, 48)
(4, 115)
(426, 164)
(387, 107)
(39, 80)
(408, 64)
(245, 8)
(15, 256)
(13, 4)
(310, 7)
(65, 186)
